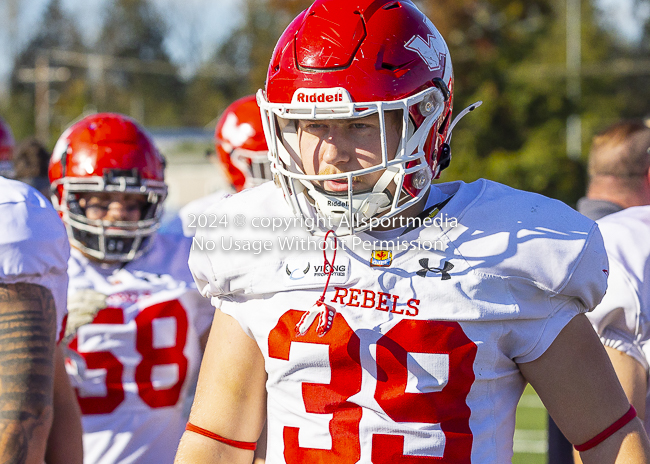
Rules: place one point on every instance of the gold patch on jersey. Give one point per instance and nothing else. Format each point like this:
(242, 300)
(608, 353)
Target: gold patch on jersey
(381, 258)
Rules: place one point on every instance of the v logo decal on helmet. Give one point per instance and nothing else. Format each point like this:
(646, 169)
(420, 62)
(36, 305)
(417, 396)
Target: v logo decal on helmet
(236, 133)
(427, 50)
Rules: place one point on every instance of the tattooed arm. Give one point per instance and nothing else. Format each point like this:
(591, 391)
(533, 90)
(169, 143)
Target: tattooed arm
(27, 339)
(64, 445)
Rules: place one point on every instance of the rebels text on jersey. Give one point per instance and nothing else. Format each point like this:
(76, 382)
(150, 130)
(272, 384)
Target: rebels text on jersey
(34, 247)
(421, 361)
(135, 351)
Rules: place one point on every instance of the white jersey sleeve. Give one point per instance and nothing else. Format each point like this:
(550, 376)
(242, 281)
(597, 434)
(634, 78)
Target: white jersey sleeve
(551, 257)
(582, 289)
(34, 245)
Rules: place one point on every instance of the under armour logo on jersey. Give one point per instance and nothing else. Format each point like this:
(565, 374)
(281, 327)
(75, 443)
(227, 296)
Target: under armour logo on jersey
(426, 50)
(444, 271)
(236, 133)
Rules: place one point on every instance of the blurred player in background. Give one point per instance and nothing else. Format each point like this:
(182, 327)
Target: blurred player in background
(619, 178)
(386, 347)
(622, 319)
(7, 145)
(241, 152)
(34, 252)
(619, 170)
(136, 323)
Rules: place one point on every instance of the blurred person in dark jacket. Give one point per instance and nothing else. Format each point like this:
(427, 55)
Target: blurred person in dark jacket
(30, 162)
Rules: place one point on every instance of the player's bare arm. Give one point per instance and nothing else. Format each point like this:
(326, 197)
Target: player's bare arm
(64, 445)
(633, 378)
(27, 337)
(230, 397)
(578, 386)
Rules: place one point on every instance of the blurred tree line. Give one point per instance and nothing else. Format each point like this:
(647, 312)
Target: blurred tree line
(509, 53)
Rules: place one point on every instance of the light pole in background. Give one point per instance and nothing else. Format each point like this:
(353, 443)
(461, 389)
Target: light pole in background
(573, 73)
(41, 76)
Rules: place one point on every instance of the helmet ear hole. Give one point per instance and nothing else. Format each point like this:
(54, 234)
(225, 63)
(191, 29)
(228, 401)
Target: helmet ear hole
(445, 157)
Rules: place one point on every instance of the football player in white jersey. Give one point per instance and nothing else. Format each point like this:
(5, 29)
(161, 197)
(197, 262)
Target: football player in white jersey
(135, 318)
(34, 252)
(242, 154)
(622, 319)
(410, 337)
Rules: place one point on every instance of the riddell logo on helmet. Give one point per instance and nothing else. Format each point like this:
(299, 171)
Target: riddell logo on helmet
(339, 203)
(319, 98)
(335, 95)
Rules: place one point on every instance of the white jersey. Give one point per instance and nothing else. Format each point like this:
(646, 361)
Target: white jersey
(133, 365)
(622, 319)
(421, 360)
(34, 245)
(191, 215)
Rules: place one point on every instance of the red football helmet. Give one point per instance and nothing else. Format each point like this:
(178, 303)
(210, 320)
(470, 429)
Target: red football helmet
(7, 145)
(343, 59)
(240, 144)
(107, 153)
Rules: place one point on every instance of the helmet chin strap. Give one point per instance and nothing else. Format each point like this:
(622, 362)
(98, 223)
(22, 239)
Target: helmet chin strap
(364, 205)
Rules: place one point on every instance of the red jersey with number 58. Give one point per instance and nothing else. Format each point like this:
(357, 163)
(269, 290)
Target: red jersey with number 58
(429, 322)
(133, 336)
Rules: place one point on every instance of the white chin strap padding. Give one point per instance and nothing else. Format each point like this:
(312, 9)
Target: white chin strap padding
(366, 205)
(374, 204)
(378, 201)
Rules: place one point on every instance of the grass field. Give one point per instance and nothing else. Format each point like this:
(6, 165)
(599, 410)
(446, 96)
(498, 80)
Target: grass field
(530, 432)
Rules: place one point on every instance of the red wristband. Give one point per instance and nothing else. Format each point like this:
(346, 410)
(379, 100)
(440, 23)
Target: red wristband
(206, 433)
(609, 431)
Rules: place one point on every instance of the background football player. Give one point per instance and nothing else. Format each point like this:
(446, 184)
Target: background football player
(418, 358)
(619, 170)
(622, 319)
(34, 388)
(619, 178)
(241, 152)
(135, 318)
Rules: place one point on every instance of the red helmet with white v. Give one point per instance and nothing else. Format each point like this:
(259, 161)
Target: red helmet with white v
(240, 144)
(107, 153)
(7, 145)
(343, 59)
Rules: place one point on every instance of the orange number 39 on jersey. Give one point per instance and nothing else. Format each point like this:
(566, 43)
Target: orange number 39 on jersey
(447, 407)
